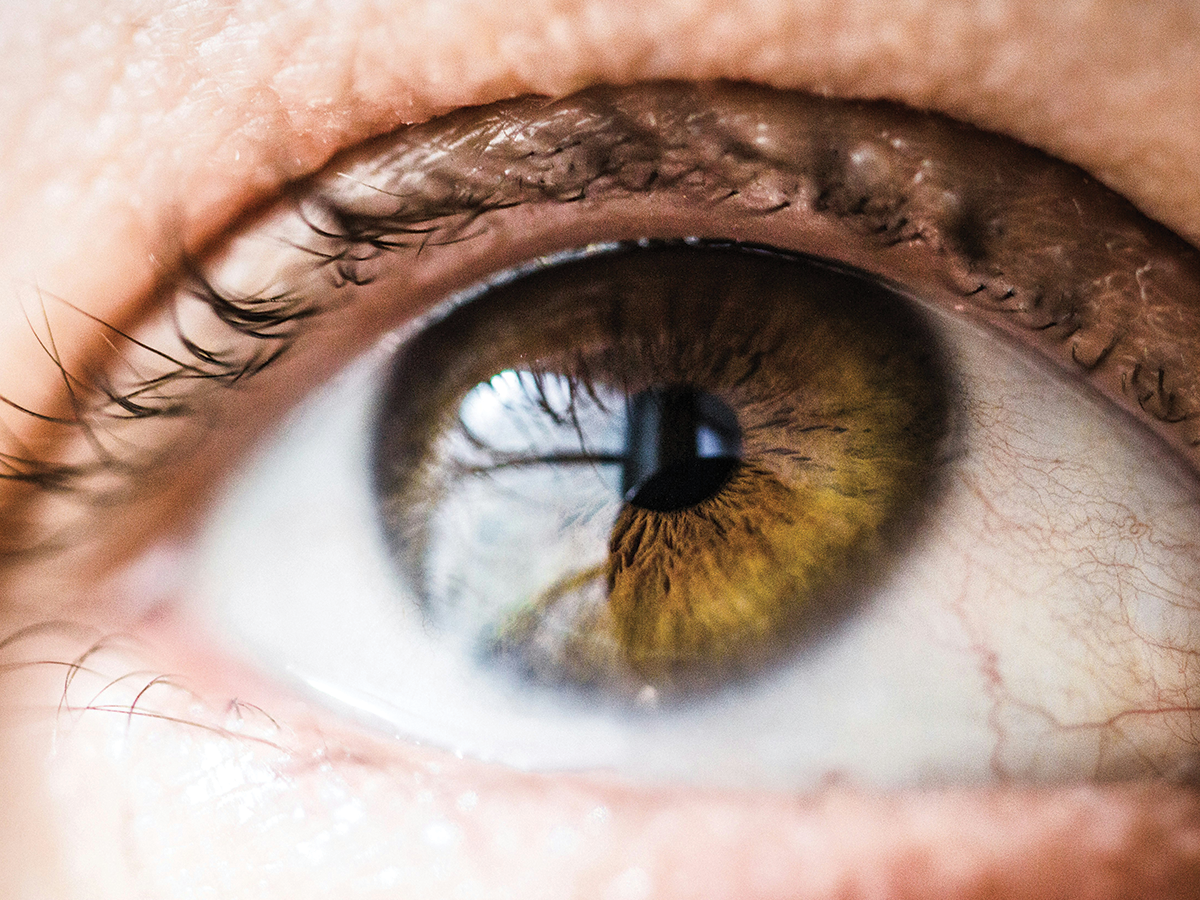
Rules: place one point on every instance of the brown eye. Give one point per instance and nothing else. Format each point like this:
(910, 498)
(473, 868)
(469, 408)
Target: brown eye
(655, 468)
(693, 510)
(449, 538)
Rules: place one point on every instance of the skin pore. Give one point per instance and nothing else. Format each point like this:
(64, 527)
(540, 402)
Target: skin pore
(137, 133)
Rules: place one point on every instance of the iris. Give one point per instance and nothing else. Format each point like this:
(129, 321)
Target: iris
(658, 467)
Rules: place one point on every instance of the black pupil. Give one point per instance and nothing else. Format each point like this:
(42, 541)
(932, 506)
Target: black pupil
(681, 446)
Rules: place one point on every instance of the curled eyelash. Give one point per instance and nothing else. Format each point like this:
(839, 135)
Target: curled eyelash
(1012, 238)
(165, 385)
(1087, 289)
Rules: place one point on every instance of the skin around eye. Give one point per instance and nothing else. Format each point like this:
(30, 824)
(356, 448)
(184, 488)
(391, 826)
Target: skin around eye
(82, 238)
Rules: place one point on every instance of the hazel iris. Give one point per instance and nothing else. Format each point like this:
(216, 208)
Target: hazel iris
(658, 466)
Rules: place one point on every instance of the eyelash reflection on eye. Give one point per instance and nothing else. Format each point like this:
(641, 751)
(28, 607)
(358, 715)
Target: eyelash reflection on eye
(1026, 243)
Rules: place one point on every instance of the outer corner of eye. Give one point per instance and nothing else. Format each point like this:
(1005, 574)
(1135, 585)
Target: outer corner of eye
(746, 504)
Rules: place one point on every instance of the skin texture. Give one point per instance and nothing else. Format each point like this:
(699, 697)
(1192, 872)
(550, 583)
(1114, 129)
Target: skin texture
(138, 131)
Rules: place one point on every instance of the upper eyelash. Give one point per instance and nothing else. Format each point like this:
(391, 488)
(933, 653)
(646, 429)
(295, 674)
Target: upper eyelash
(587, 146)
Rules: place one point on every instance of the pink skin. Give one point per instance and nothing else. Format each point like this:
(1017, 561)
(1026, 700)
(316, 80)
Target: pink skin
(134, 135)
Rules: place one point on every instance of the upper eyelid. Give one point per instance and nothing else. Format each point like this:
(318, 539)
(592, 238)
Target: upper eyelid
(411, 191)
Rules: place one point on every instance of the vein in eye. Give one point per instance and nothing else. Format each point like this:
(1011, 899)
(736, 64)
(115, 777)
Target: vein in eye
(1022, 241)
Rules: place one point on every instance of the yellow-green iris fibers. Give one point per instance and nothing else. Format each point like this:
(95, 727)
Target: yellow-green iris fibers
(842, 405)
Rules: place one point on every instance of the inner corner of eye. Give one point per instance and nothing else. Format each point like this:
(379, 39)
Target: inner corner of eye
(658, 470)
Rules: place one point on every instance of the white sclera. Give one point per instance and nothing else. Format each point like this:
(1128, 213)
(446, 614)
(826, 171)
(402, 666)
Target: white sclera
(1046, 599)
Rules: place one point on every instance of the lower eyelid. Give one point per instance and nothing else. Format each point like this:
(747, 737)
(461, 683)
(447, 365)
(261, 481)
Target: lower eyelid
(185, 761)
(257, 779)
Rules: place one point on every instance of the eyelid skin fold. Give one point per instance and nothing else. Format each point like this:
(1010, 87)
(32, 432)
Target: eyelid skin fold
(978, 224)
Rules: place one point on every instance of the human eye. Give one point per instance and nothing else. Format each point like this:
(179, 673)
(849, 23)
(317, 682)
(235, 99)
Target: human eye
(335, 810)
(352, 270)
(973, 593)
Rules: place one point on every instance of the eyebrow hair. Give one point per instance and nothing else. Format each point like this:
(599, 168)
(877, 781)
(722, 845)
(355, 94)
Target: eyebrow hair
(1030, 244)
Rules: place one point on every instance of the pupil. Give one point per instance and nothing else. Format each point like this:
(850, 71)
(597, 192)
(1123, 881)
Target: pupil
(681, 446)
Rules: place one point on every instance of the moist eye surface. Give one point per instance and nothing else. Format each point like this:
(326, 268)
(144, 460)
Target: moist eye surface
(655, 468)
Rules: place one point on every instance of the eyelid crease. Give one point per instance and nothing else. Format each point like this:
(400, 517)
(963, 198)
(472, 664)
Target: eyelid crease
(1027, 243)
